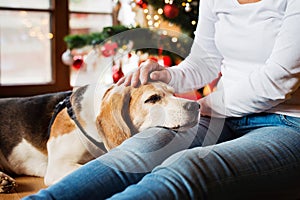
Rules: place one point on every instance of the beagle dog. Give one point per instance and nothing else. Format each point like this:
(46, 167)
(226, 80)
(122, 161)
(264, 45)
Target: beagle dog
(84, 124)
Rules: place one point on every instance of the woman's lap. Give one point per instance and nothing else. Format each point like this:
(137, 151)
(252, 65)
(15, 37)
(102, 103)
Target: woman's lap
(264, 163)
(254, 166)
(259, 161)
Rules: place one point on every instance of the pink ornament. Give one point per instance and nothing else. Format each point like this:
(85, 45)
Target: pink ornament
(109, 49)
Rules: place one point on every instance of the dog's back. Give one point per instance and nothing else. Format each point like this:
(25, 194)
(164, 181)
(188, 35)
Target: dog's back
(25, 120)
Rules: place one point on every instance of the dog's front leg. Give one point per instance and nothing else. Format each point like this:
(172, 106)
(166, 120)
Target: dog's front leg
(65, 154)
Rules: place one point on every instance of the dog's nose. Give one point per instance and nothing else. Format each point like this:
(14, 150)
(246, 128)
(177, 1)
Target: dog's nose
(190, 106)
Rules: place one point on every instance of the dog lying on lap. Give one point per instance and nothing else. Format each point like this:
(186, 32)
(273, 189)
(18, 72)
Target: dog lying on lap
(108, 115)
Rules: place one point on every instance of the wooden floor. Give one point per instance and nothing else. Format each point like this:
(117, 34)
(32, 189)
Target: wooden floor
(26, 186)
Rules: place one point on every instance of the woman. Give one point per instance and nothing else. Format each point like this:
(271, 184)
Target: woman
(247, 142)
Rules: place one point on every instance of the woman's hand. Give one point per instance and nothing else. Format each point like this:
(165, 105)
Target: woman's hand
(147, 70)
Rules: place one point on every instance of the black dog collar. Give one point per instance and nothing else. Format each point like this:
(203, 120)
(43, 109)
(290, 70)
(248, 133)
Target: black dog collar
(66, 103)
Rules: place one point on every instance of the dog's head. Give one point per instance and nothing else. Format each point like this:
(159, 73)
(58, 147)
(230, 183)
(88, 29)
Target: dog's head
(127, 110)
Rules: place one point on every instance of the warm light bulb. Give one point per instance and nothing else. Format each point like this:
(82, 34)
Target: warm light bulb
(156, 24)
(150, 22)
(160, 11)
(50, 36)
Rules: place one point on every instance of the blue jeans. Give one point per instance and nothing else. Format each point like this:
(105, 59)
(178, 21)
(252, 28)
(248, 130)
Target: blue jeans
(252, 157)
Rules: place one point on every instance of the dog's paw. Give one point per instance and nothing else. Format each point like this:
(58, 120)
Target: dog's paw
(7, 184)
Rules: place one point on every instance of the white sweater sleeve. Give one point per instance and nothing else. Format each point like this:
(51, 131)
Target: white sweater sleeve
(204, 61)
(271, 84)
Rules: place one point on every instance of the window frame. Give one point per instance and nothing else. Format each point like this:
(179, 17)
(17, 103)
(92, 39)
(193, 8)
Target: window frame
(59, 22)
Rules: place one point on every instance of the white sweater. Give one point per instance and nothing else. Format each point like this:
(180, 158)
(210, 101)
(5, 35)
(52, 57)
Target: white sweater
(256, 47)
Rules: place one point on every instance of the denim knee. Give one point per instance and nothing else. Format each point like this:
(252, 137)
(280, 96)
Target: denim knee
(149, 140)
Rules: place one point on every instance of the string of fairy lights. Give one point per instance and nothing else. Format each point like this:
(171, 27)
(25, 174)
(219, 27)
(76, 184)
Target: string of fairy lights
(183, 13)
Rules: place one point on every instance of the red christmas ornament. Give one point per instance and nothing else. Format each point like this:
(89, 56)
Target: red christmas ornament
(78, 62)
(171, 11)
(117, 73)
(109, 49)
(141, 4)
(167, 61)
(145, 5)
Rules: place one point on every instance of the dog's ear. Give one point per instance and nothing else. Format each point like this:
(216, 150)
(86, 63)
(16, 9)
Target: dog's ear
(112, 121)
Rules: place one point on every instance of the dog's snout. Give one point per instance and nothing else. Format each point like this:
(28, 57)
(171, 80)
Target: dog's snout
(191, 106)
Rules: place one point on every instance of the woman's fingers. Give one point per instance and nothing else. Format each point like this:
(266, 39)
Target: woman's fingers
(121, 80)
(127, 81)
(135, 79)
(147, 70)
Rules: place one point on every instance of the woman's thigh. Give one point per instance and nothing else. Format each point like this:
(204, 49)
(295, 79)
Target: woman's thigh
(146, 150)
(263, 164)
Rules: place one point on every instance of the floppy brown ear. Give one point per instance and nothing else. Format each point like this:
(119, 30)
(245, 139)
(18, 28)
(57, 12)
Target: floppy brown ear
(112, 122)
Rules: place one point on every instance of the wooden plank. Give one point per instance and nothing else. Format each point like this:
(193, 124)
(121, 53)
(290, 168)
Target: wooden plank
(26, 185)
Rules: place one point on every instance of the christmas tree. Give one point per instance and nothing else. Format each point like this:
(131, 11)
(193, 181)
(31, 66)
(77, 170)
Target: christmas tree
(183, 13)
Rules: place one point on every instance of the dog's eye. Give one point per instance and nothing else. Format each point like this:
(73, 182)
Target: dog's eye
(154, 98)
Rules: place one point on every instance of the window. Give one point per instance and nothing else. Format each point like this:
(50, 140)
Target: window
(88, 16)
(31, 41)
(31, 44)
(25, 47)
